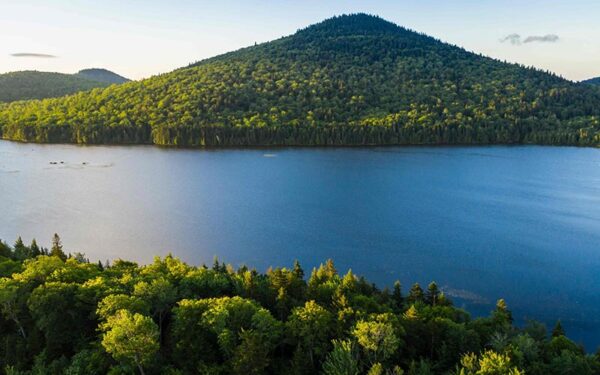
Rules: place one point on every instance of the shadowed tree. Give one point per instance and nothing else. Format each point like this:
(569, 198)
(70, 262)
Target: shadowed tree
(57, 249)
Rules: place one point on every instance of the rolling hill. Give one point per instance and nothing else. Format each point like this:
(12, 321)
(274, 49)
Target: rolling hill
(102, 75)
(592, 81)
(27, 85)
(349, 80)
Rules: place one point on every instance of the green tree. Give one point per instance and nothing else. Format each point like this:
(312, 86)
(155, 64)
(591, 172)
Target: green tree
(131, 338)
(341, 360)
(432, 295)
(112, 303)
(397, 295)
(11, 302)
(5, 251)
(160, 295)
(416, 293)
(558, 330)
(57, 307)
(489, 363)
(207, 330)
(378, 339)
(502, 316)
(57, 249)
(21, 252)
(35, 249)
(311, 328)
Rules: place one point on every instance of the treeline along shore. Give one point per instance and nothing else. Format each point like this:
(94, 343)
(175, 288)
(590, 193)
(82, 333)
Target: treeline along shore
(61, 314)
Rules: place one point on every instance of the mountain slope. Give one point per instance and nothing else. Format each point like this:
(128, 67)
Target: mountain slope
(27, 85)
(102, 75)
(349, 80)
(592, 81)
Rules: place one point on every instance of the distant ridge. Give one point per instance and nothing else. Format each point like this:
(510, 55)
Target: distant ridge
(27, 85)
(592, 81)
(102, 75)
(349, 80)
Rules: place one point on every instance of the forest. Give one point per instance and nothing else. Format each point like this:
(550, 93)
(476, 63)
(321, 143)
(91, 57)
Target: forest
(102, 75)
(349, 80)
(592, 81)
(28, 85)
(62, 314)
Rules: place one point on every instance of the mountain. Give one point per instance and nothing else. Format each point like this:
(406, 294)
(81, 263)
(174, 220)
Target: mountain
(349, 80)
(592, 81)
(27, 85)
(102, 75)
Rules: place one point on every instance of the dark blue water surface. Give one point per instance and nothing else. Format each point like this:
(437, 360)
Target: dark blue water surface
(522, 223)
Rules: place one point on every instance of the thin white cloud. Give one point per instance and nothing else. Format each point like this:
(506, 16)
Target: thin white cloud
(550, 38)
(515, 39)
(512, 38)
(34, 55)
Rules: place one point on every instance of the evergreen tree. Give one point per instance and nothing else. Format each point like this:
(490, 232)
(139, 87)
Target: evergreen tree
(57, 249)
(558, 330)
(5, 250)
(397, 294)
(502, 315)
(416, 293)
(432, 295)
(35, 249)
(298, 271)
(21, 251)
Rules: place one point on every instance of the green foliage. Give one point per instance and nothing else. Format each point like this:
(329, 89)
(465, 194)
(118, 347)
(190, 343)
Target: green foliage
(558, 330)
(311, 330)
(489, 363)
(341, 360)
(167, 317)
(592, 81)
(130, 337)
(229, 328)
(28, 85)
(416, 294)
(57, 249)
(377, 338)
(350, 80)
(101, 75)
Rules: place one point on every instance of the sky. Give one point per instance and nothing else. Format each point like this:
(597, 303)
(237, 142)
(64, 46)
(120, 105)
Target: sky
(141, 38)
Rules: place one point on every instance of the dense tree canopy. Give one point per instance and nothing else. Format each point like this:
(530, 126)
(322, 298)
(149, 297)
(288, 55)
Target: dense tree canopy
(101, 75)
(350, 80)
(592, 81)
(28, 85)
(70, 316)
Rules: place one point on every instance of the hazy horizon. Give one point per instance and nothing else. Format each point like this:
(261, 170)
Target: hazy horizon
(140, 39)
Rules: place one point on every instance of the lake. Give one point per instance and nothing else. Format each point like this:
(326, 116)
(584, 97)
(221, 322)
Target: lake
(520, 223)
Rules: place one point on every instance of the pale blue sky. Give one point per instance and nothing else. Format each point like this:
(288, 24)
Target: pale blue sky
(140, 38)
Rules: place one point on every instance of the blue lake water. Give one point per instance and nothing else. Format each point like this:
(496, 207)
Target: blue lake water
(522, 223)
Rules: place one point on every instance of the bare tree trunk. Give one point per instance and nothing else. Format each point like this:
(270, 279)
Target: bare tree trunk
(139, 365)
(20, 327)
(160, 327)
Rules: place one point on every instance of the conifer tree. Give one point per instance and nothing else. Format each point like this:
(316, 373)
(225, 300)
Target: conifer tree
(416, 293)
(57, 249)
(558, 330)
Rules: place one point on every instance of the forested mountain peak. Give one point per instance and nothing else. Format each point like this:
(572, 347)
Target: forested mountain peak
(32, 84)
(354, 24)
(349, 80)
(102, 75)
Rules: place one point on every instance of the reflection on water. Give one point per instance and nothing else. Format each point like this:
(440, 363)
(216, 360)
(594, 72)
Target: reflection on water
(522, 223)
